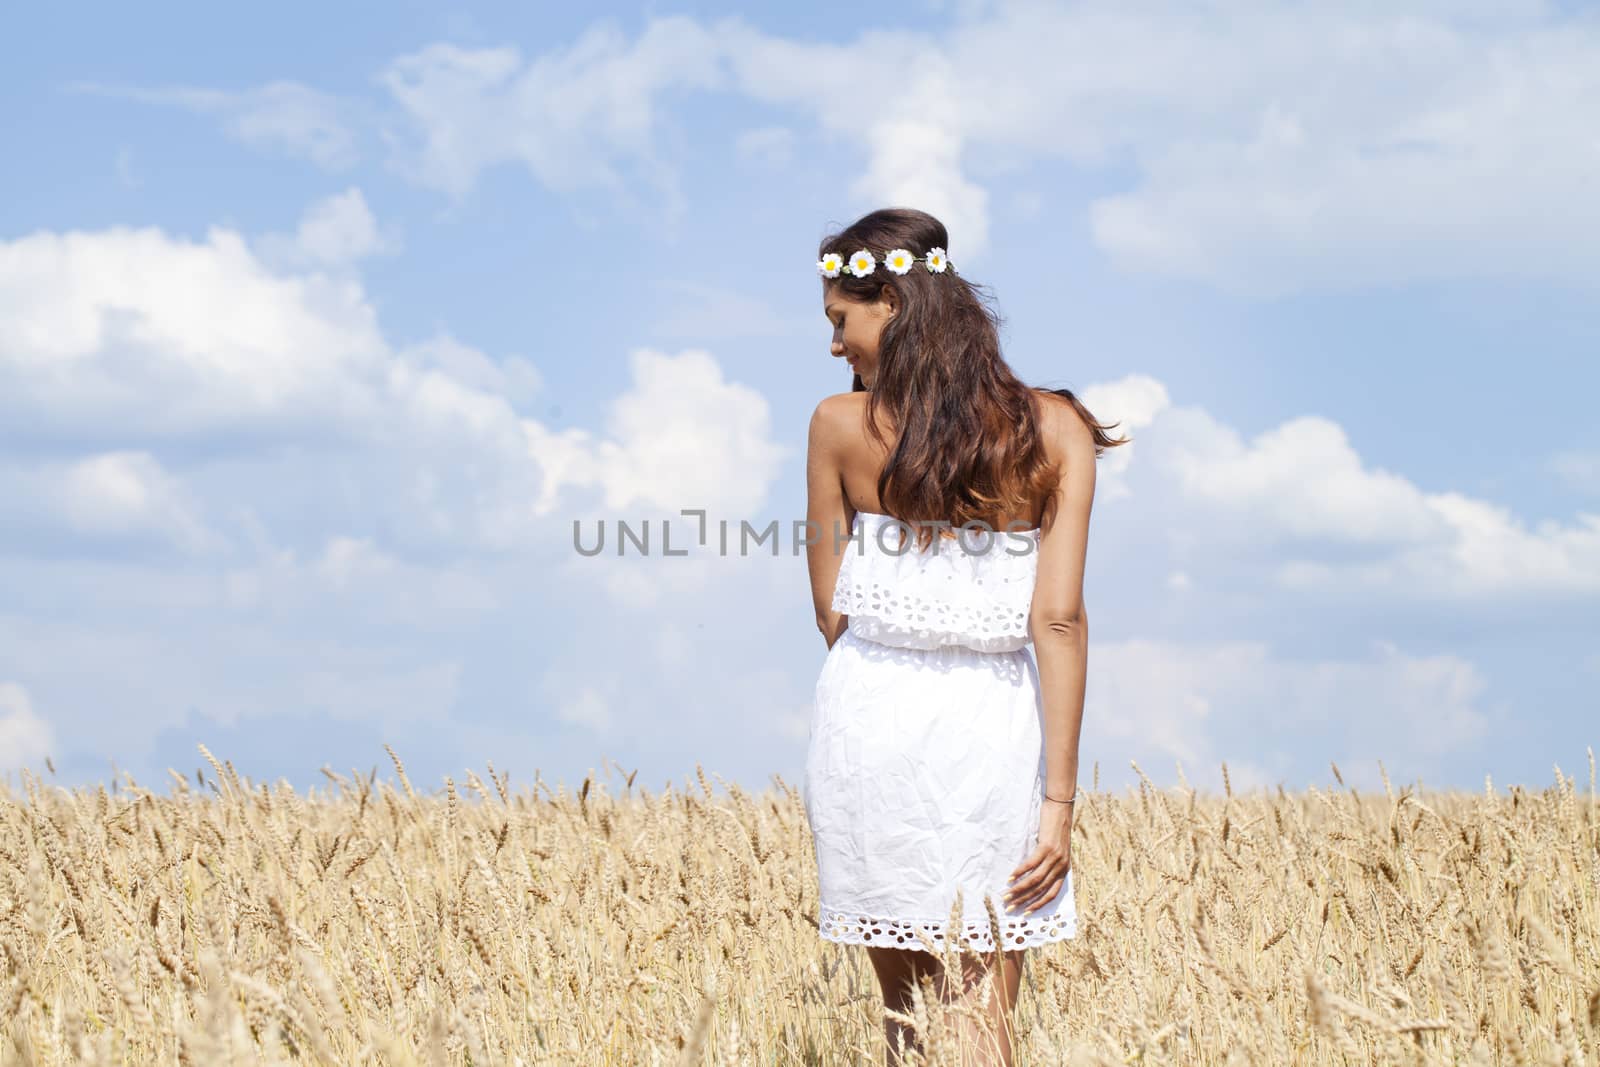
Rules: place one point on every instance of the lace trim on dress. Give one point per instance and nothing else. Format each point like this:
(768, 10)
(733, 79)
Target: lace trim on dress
(1016, 932)
(974, 591)
(1008, 667)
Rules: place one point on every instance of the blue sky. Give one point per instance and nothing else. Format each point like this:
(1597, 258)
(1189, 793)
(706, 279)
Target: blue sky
(317, 333)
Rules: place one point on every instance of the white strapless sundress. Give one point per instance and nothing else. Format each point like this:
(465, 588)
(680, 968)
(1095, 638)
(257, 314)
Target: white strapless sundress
(925, 763)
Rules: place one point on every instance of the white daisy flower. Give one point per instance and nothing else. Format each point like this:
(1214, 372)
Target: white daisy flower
(936, 261)
(830, 265)
(863, 263)
(899, 260)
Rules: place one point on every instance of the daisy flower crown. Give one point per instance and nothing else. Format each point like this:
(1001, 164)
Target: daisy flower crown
(898, 260)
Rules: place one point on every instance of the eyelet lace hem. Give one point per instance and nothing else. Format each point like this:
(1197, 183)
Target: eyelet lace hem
(1003, 624)
(1016, 931)
(979, 599)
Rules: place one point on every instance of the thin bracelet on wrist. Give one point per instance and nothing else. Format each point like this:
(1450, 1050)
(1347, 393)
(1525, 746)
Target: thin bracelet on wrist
(1069, 800)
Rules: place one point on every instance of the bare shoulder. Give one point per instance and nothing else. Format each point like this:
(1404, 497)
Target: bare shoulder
(841, 405)
(1063, 429)
(836, 418)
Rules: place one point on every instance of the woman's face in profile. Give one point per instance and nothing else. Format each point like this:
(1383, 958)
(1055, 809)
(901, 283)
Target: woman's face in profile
(856, 328)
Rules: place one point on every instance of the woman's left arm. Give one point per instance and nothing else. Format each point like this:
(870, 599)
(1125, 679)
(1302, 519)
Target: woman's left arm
(828, 514)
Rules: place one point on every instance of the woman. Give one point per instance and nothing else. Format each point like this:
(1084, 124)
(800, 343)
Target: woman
(950, 505)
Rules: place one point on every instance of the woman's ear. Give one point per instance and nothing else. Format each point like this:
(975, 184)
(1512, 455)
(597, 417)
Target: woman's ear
(891, 299)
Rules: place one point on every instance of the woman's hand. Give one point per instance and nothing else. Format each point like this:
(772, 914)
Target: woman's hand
(1037, 881)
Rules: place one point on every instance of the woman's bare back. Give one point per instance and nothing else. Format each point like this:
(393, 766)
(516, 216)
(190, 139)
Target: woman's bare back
(865, 457)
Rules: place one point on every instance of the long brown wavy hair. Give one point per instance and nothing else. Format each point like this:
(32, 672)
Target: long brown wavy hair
(969, 445)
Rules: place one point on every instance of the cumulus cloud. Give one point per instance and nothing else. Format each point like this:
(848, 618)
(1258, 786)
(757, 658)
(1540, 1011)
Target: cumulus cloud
(1244, 171)
(111, 499)
(1319, 518)
(335, 231)
(1131, 403)
(1247, 172)
(160, 336)
(156, 341)
(659, 435)
(580, 116)
(914, 161)
(1307, 479)
(513, 377)
(1201, 703)
(244, 502)
(1235, 164)
(281, 116)
(25, 738)
(370, 529)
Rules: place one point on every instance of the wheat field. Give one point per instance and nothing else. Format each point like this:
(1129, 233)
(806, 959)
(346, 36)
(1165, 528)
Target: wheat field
(227, 921)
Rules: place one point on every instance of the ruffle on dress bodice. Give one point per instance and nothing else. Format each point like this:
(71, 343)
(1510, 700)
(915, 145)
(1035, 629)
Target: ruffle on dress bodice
(973, 590)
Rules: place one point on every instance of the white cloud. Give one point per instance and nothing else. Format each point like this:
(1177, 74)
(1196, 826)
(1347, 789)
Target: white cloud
(916, 139)
(1241, 168)
(914, 161)
(379, 517)
(1127, 405)
(512, 377)
(1304, 478)
(1312, 516)
(118, 492)
(1302, 488)
(1418, 169)
(1247, 172)
(1204, 702)
(25, 738)
(334, 231)
(279, 117)
(1253, 176)
(108, 499)
(160, 336)
(682, 437)
(146, 338)
(571, 116)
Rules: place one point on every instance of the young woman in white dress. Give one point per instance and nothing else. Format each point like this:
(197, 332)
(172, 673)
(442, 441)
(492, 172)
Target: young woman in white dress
(943, 757)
